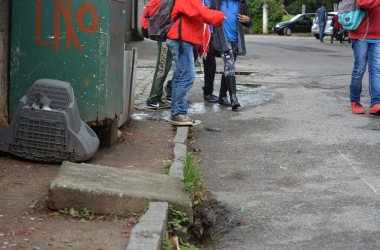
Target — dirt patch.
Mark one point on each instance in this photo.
(145, 147)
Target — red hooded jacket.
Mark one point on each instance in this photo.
(195, 16)
(372, 16)
(337, 25)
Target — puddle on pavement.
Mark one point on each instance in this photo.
(248, 94)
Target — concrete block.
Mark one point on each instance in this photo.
(176, 169)
(150, 230)
(180, 151)
(107, 190)
(181, 136)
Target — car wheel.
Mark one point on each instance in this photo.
(316, 36)
(287, 31)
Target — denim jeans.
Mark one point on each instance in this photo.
(363, 53)
(322, 26)
(184, 75)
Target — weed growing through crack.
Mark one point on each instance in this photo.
(176, 217)
(166, 245)
(191, 136)
(167, 166)
(85, 214)
(194, 185)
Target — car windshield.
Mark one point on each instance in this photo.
(296, 17)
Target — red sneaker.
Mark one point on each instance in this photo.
(375, 110)
(357, 108)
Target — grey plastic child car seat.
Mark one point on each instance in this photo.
(47, 126)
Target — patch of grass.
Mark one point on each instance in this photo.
(194, 185)
(6, 157)
(187, 246)
(116, 220)
(85, 214)
(191, 136)
(166, 245)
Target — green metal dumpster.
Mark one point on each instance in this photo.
(77, 41)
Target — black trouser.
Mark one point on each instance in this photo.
(209, 70)
(335, 32)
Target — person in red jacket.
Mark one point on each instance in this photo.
(189, 33)
(337, 27)
(365, 42)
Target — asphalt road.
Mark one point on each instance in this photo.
(293, 168)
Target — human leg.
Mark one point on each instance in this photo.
(333, 35)
(163, 65)
(360, 61)
(223, 99)
(322, 26)
(184, 76)
(229, 58)
(374, 76)
(209, 65)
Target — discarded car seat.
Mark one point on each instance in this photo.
(47, 126)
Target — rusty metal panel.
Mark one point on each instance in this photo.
(75, 41)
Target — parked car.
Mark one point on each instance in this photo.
(300, 23)
(328, 29)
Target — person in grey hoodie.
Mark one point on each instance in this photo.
(229, 41)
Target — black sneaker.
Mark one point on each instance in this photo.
(158, 105)
(167, 86)
(210, 98)
(169, 99)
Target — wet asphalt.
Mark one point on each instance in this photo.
(293, 168)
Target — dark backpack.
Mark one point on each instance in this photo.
(160, 23)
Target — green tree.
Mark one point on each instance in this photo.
(255, 11)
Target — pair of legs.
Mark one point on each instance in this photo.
(184, 76)
(322, 26)
(163, 65)
(228, 81)
(366, 53)
(336, 32)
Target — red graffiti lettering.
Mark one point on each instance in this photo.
(38, 26)
(70, 33)
(95, 18)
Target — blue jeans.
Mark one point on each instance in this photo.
(363, 53)
(184, 75)
(322, 26)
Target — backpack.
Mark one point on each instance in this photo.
(350, 15)
(160, 23)
(149, 10)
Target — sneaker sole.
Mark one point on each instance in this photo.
(153, 107)
(195, 123)
(375, 113)
(211, 101)
(181, 123)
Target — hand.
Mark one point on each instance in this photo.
(225, 18)
(204, 55)
(243, 18)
